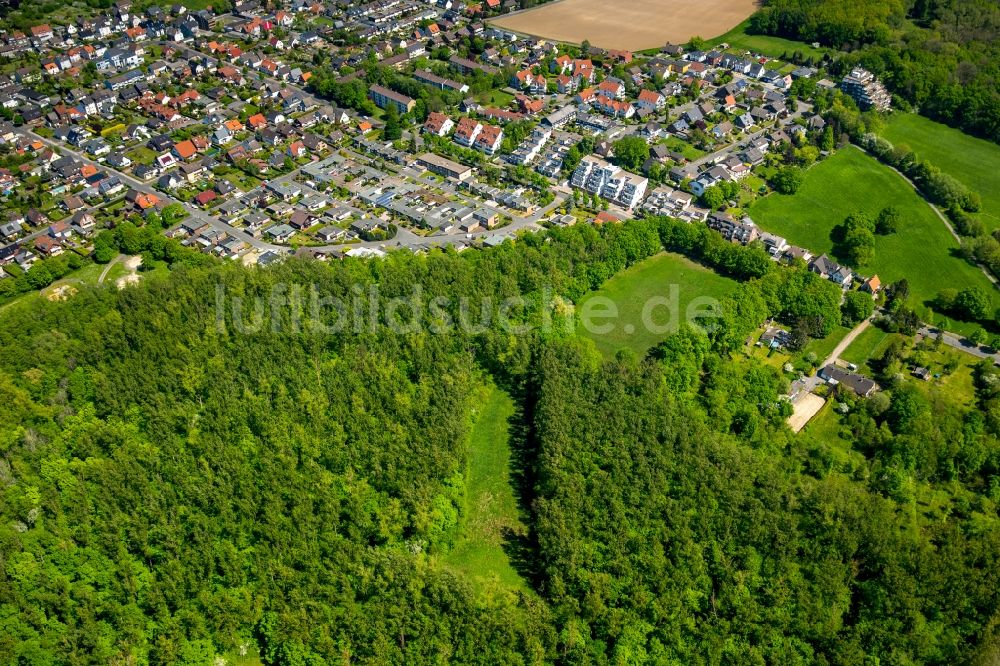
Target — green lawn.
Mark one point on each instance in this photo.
(870, 344)
(497, 98)
(823, 347)
(491, 514)
(953, 389)
(115, 273)
(974, 162)
(141, 155)
(775, 47)
(683, 147)
(86, 275)
(632, 290)
(849, 181)
(825, 428)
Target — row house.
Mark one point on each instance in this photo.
(667, 201)
(384, 97)
(501, 115)
(429, 78)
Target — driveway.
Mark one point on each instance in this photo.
(846, 342)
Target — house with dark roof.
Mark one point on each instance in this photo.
(859, 384)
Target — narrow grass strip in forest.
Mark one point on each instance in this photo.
(491, 519)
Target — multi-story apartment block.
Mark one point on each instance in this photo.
(383, 97)
(866, 90)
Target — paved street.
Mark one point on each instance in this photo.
(194, 212)
(960, 343)
(404, 237)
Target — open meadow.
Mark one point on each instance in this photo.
(635, 25)
(973, 162)
(850, 181)
(632, 289)
(491, 517)
(740, 40)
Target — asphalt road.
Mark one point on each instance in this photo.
(194, 212)
(404, 238)
(960, 343)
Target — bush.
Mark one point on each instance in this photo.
(888, 221)
(857, 307)
(857, 239)
(787, 180)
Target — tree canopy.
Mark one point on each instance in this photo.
(184, 479)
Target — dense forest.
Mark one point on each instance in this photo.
(941, 56)
(182, 480)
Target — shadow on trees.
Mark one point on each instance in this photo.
(522, 548)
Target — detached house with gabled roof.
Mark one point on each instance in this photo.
(438, 124)
(650, 99)
(489, 139)
(257, 121)
(185, 150)
(832, 271)
(48, 246)
(467, 131)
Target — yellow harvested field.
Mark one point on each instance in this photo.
(629, 24)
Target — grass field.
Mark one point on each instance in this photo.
(951, 390)
(141, 155)
(635, 25)
(774, 47)
(870, 344)
(849, 181)
(491, 511)
(631, 290)
(84, 276)
(825, 428)
(683, 147)
(497, 98)
(974, 162)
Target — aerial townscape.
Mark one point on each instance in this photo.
(500, 332)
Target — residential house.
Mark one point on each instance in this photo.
(489, 139)
(467, 131)
(831, 270)
(438, 124)
(384, 97)
(859, 384)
